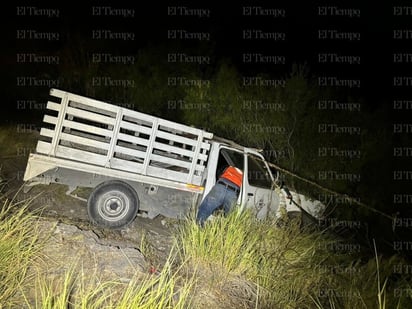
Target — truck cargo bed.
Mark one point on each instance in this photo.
(96, 133)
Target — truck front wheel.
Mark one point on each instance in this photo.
(113, 204)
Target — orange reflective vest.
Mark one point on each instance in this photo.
(234, 175)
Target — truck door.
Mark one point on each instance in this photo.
(257, 186)
(226, 157)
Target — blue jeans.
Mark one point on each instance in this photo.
(219, 195)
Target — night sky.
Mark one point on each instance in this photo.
(357, 42)
(360, 43)
(304, 30)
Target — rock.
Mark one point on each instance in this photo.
(70, 247)
(69, 252)
(90, 258)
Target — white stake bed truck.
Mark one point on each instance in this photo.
(137, 163)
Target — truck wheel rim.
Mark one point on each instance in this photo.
(113, 206)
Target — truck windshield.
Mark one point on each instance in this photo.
(257, 173)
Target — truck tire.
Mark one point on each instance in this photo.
(113, 204)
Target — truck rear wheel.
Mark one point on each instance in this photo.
(113, 204)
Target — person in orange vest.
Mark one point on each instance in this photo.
(225, 192)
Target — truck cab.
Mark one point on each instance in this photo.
(257, 191)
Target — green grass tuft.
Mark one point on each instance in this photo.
(18, 245)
